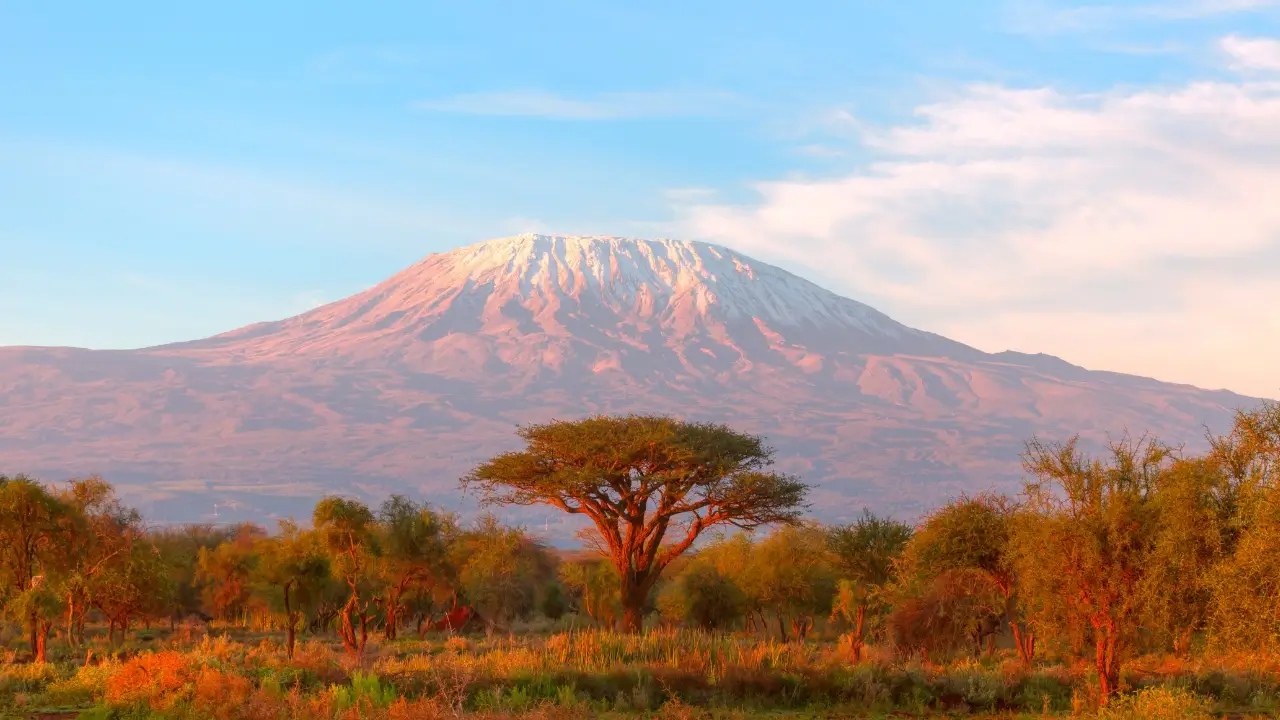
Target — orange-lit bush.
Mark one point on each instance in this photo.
(156, 679)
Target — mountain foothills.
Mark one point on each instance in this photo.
(408, 385)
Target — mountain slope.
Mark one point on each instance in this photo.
(408, 384)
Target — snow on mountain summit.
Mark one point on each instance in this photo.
(609, 293)
(648, 277)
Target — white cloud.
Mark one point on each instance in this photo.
(1039, 17)
(608, 106)
(1134, 230)
(1252, 53)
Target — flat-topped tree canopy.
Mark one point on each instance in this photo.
(638, 478)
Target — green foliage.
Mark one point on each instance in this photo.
(794, 575)
(1157, 703)
(866, 550)
(703, 597)
(970, 533)
(594, 584)
(1245, 582)
(554, 603)
(366, 691)
(866, 555)
(1087, 543)
(502, 569)
(1176, 590)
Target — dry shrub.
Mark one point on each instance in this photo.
(216, 689)
(457, 644)
(156, 679)
(1157, 703)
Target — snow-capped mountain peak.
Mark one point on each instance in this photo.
(606, 293)
(650, 277)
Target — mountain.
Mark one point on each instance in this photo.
(407, 385)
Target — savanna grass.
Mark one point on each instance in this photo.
(592, 673)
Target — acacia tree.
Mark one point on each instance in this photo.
(291, 569)
(865, 552)
(348, 532)
(99, 530)
(1245, 582)
(33, 525)
(794, 576)
(1189, 542)
(133, 584)
(972, 534)
(638, 479)
(226, 571)
(413, 554)
(1086, 544)
(500, 571)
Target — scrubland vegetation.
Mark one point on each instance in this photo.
(1141, 583)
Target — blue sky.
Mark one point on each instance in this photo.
(1013, 174)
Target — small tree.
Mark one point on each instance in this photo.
(973, 533)
(553, 604)
(701, 595)
(1189, 542)
(38, 605)
(34, 525)
(291, 570)
(413, 555)
(501, 569)
(637, 478)
(1245, 582)
(98, 530)
(865, 553)
(226, 571)
(795, 576)
(594, 584)
(131, 585)
(1086, 545)
(348, 533)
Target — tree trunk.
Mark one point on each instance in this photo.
(290, 634)
(1182, 643)
(1025, 640)
(35, 632)
(42, 637)
(291, 623)
(782, 626)
(364, 629)
(347, 630)
(633, 599)
(856, 637)
(71, 621)
(1106, 660)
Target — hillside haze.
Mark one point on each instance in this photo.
(404, 387)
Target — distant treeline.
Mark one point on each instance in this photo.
(1141, 549)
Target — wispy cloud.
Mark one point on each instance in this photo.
(1107, 228)
(607, 106)
(1040, 17)
(1251, 54)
